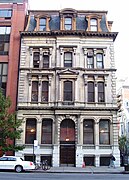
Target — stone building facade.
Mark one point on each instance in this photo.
(67, 88)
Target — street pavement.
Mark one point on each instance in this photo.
(87, 169)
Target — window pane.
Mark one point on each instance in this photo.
(68, 23)
(99, 58)
(93, 25)
(45, 61)
(42, 24)
(34, 97)
(30, 131)
(88, 132)
(67, 91)
(44, 91)
(67, 59)
(5, 30)
(5, 13)
(46, 131)
(90, 62)
(101, 92)
(104, 132)
(90, 91)
(36, 59)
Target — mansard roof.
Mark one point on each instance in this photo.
(80, 25)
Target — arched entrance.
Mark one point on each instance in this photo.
(67, 143)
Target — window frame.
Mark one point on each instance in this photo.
(91, 92)
(104, 134)
(7, 12)
(30, 131)
(43, 24)
(68, 24)
(99, 61)
(45, 92)
(46, 61)
(90, 59)
(36, 59)
(34, 92)
(3, 75)
(101, 92)
(93, 25)
(67, 93)
(87, 133)
(68, 61)
(46, 137)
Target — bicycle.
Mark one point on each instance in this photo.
(42, 165)
(45, 165)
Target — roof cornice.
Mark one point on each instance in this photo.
(112, 35)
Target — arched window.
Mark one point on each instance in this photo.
(68, 91)
(67, 131)
(99, 60)
(101, 95)
(88, 131)
(91, 92)
(30, 131)
(104, 132)
(46, 131)
(93, 24)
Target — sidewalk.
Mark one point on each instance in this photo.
(88, 169)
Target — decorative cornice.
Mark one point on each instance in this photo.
(67, 108)
(112, 35)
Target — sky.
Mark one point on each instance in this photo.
(118, 12)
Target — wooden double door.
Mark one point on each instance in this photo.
(67, 155)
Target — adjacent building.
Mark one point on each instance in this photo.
(67, 88)
(12, 21)
(123, 105)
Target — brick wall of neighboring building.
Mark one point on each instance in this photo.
(9, 59)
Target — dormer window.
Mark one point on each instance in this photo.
(68, 23)
(68, 19)
(93, 24)
(42, 24)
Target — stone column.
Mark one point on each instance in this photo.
(85, 89)
(30, 87)
(85, 58)
(96, 90)
(97, 160)
(39, 89)
(62, 57)
(41, 58)
(31, 57)
(95, 62)
(74, 57)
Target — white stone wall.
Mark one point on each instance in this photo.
(77, 74)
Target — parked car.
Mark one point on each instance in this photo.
(15, 163)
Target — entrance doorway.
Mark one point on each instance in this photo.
(67, 143)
